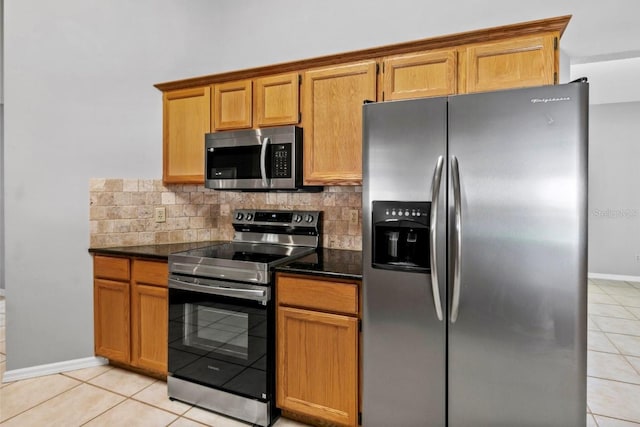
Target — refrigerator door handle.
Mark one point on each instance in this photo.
(435, 196)
(457, 207)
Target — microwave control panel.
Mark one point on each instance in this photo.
(281, 160)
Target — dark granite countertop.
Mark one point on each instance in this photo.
(331, 263)
(157, 251)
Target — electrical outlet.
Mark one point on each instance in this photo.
(161, 214)
(353, 217)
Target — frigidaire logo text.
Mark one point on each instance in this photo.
(545, 100)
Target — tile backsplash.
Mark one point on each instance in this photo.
(122, 212)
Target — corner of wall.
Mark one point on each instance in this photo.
(611, 81)
(565, 67)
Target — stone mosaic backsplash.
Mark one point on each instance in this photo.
(122, 212)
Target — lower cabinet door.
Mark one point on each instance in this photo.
(149, 328)
(317, 365)
(111, 319)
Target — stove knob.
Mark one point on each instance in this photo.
(297, 218)
(309, 218)
(249, 216)
(239, 216)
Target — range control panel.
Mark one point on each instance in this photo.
(291, 219)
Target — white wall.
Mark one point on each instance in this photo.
(79, 103)
(2, 147)
(614, 199)
(2, 286)
(1, 52)
(565, 68)
(611, 81)
(614, 153)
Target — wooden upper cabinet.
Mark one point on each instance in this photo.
(332, 121)
(186, 119)
(232, 105)
(517, 62)
(419, 75)
(334, 87)
(277, 100)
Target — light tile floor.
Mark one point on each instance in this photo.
(613, 368)
(108, 396)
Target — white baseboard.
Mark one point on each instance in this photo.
(614, 277)
(52, 368)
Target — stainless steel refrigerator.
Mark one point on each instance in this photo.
(475, 259)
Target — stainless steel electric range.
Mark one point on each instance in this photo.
(222, 314)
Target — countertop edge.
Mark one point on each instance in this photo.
(318, 273)
(122, 252)
(160, 251)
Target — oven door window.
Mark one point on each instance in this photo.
(218, 342)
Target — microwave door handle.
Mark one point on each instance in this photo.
(263, 161)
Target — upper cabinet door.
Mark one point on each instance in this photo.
(232, 105)
(518, 62)
(186, 119)
(277, 100)
(420, 75)
(332, 121)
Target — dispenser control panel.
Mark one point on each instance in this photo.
(391, 210)
(403, 212)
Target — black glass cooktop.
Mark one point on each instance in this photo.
(252, 252)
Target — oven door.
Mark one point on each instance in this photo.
(221, 335)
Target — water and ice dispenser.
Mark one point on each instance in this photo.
(401, 235)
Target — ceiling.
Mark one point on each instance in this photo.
(597, 31)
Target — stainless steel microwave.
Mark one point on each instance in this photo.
(254, 159)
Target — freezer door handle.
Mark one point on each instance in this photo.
(435, 196)
(457, 207)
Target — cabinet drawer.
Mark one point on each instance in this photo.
(111, 267)
(150, 272)
(318, 294)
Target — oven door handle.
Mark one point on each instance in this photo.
(251, 294)
(263, 161)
